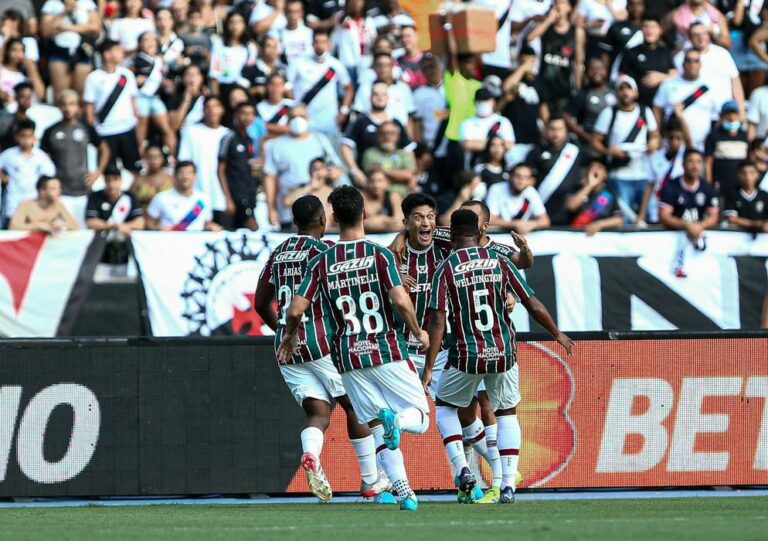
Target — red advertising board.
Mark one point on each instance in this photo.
(619, 413)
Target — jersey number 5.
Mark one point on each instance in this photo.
(484, 321)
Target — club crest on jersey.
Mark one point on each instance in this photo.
(290, 257)
(422, 269)
(352, 265)
(477, 264)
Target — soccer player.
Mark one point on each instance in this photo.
(310, 373)
(358, 281)
(471, 285)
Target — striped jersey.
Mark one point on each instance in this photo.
(285, 269)
(354, 279)
(421, 266)
(442, 236)
(472, 286)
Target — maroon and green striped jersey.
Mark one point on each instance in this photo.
(442, 237)
(354, 279)
(472, 286)
(285, 269)
(421, 266)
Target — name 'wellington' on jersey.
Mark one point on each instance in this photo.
(355, 277)
(472, 286)
(285, 269)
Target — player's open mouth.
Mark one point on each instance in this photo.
(425, 235)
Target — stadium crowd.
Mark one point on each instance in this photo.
(589, 114)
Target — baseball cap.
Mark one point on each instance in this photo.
(730, 107)
(626, 80)
(492, 83)
(483, 94)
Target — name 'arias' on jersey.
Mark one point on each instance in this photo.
(354, 278)
(285, 269)
(472, 285)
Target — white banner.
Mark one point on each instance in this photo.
(203, 283)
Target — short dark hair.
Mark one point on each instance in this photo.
(274, 75)
(523, 164)
(244, 104)
(380, 54)
(690, 152)
(554, 117)
(185, 163)
(24, 85)
(213, 97)
(650, 17)
(347, 205)
(107, 44)
(321, 32)
(417, 199)
(747, 163)
(43, 181)
(314, 161)
(486, 212)
(24, 125)
(464, 223)
(307, 211)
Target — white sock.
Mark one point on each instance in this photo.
(393, 464)
(453, 440)
(312, 440)
(413, 420)
(493, 453)
(365, 449)
(509, 448)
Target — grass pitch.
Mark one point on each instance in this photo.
(675, 518)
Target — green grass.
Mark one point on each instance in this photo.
(623, 520)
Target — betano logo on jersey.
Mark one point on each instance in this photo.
(477, 264)
(291, 257)
(352, 265)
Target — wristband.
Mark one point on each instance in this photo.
(447, 27)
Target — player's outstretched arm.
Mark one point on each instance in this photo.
(541, 315)
(293, 315)
(262, 303)
(436, 332)
(398, 245)
(524, 258)
(402, 303)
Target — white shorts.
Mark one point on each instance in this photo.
(316, 379)
(459, 388)
(419, 361)
(393, 385)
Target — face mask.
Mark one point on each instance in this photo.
(298, 125)
(388, 147)
(484, 108)
(733, 125)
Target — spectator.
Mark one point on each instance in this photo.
(650, 63)
(475, 131)
(353, 37)
(390, 19)
(230, 55)
(757, 114)
(397, 164)
(148, 67)
(170, 44)
(747, 207)
(267, 15)
(516, 205)
(267, 64)
(625, 134)
(665, 164)
(557, 164)
(320, 185)
(286, 163)
(181, 208)
(154, 179)
(21, 167)
(66, 142)
(499, 62)
(296, 37)
(689, 204)
(362, 134)
(410, 60)
(400, 104)
(115, 214)
(595, 206)
(747, 18)
(525, 102)
(316, 80)
(186, 106)
(465, 186)
(45, 212)
(185, 18)
(131, 24)
(689, 97)
(321, 14)
(429, 100)
(382, 206)
(700, 12)
(596, 17)
(71, 28)
(726, 148)
(623, 35)
(717, 68)
(236, 157)
(198, 142)
(15, 69)
(274, 109)
(758, 154)
(492, 166)
(110, 106)
(9, 121)
(562, 53)
(19, 21)
(583, 109)
(196, 39)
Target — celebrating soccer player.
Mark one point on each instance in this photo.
(472, 285)
(310, 373)
(358, 281)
